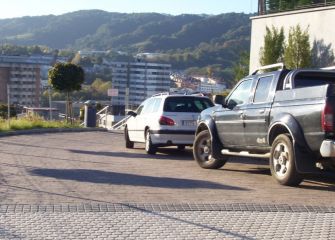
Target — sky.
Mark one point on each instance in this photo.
(20, 8)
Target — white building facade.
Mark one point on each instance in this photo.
(318, 21)
(137, 81)
(25, 76)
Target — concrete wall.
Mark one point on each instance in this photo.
(319, 20)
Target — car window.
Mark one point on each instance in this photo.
(262, 89)
(156, 104)
(241, 94)
(148, 106)
(186, 104)
(312, 80)
(139, 110)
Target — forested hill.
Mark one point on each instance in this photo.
(191, 40)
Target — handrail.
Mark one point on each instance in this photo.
(120, 123)
(104, 109)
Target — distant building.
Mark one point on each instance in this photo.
(24, 76)
(141, 78)
(210, 86)
(316, 17)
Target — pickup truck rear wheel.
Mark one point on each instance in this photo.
(282, 161)
(202, 152)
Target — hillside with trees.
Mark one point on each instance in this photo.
(186, 41)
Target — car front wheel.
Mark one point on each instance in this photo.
(282, 161)
(149, 147)
(202, 152)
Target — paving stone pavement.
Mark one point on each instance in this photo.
(72, 185)
(143, 223)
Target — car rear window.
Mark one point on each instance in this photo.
(186, 104)
(313, 79)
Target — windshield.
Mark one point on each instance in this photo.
(187, 104)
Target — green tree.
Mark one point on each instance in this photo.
(241, 68)
(322, 54)
(66, 77)
(298, 49)
(273, 49)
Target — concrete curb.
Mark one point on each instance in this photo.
(50, 130)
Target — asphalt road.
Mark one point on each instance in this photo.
(96, 167)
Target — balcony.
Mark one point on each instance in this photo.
(278, 6)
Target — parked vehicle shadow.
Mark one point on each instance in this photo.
(104, 177)
(262, 171)
(322, 181)
(163, 154)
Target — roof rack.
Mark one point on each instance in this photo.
(281, 66)
(328, 68)
(179, 93)
(160, 94)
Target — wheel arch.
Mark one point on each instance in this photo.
(209, 124)
(286, 123)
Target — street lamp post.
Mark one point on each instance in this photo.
(50, 110)
(8, 105)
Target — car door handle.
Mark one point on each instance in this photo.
(261, 111)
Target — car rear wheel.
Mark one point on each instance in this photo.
(282, 161)
(129, 144)
(202, 152)
(149, 147)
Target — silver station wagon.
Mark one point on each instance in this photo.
(165, 120)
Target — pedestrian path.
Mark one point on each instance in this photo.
(166, 221)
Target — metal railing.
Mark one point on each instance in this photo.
(263, 7)
(104, 115)
(120, 124)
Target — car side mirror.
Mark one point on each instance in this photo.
(132, 113)
(219, 99)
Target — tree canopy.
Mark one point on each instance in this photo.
(66, 77)
(298, 49)
(274, 41)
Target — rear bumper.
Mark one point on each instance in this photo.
(172, 137)
(327, 148)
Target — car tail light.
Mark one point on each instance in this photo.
(166, 121)
(327, 118)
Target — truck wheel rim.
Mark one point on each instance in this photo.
(281, 160)
(205, 150)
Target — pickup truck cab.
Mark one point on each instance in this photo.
(286, 116)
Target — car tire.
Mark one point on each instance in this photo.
(149, 147)
(181, 147)
(129, 144)
(202, 149)
(282, 161)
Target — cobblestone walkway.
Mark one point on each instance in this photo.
(166, 221)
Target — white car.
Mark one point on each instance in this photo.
(165, 120)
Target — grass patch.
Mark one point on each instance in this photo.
(33, 123)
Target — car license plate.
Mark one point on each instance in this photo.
(189, 123)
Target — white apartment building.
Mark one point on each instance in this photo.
(142, 80)
(24, 82)
(25, 76)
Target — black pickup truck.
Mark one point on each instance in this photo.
(286, 116)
